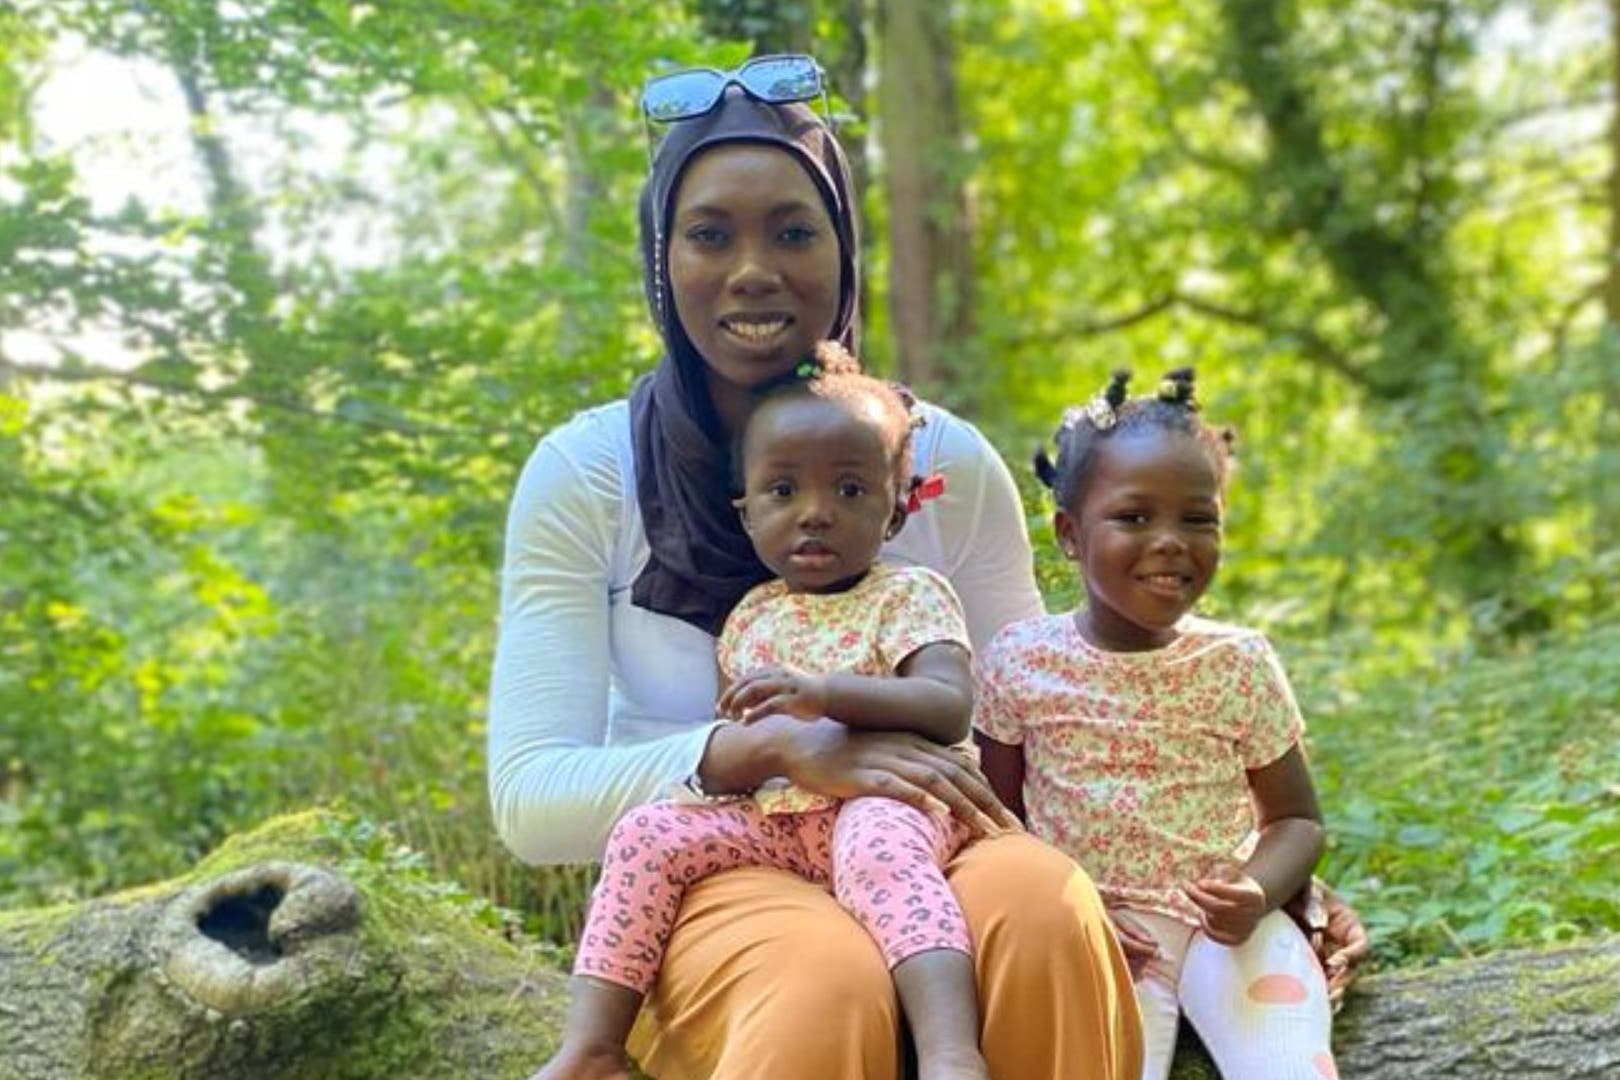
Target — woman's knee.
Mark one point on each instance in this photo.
(824, 1007)
(1025, 896)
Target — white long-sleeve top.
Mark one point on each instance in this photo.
(597, 705)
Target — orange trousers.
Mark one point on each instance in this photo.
(766, 976)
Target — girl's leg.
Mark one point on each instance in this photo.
(886, 870)
(1156, 991)
(653, 854)
(1054, 990)
(1261, 1008)
(765, 975)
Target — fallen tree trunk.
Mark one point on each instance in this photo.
(313, 949)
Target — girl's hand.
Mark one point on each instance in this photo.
(1231, 903)
(1140, 947)
(828, 758)
(775, 690)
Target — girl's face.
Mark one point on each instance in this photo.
(1146, 536)
(819, 490)
(753, 264)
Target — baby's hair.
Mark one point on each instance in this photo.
(833, 374)
(1173, 408)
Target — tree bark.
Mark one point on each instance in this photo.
(930, 219)
(313, 949)
(1606, 458)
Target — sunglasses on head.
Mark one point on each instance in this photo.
(775, 80)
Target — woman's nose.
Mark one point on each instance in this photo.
(754, 271)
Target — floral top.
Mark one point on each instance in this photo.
(867, 630)
(1134, 763)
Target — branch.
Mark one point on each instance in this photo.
(87, 374)
(1213, 162)
(1312, 344)
(1571, 310)
(1430, 80)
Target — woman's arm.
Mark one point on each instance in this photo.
(982, 529)
(931, 695)
(555, 788)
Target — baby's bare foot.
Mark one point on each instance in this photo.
(589, 1064)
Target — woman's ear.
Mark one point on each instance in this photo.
(1068, 535)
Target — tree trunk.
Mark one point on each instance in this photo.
(930, 220)
(1606, 457)
(314, 949)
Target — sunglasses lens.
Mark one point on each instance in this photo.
(682, 94)
(780, 79)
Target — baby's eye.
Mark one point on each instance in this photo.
(780, 489)
(1131, 517)
(851, 489)
(1204, 521)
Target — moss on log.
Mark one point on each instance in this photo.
(314, 949)
(309, 949)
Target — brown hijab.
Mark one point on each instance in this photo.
(702, 562)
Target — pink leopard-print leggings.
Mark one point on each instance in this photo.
(879, 857)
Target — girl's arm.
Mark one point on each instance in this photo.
(931, 695)
(1290, 843)
(1003, 766)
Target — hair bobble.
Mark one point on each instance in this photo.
(1177, 388)
(924, 488)
(807, 370)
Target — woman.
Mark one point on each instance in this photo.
(623, 557)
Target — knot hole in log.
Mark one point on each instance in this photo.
(254, 938)
(242, 923)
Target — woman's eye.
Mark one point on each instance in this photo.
(798, 235)
(706, 235)
(780, 490)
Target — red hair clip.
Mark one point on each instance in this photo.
(924, 488)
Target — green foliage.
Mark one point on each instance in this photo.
(1471, 801)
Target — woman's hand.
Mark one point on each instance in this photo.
(828, 758)
(1344, 945)
(774, 690)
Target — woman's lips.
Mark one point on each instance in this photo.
(756, 329)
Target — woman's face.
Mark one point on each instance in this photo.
(753, 263)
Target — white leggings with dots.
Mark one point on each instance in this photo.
(1261, 1008)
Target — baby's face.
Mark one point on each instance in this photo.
(819, 492)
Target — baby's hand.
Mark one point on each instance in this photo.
(1231, 903)
(775, 691)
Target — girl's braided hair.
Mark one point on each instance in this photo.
(833, 374)
(1173, 407)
